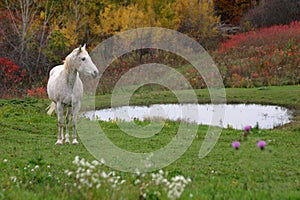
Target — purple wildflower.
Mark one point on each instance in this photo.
(236, 144)
(247, 128)
(261, 144)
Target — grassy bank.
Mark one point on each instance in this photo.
(32, 167)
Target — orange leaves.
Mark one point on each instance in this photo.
(39, 92)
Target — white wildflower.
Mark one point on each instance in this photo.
(5, 160)
(102, 161)
(137, 181)
(88, 172)
(13, 178)
(35, 168)
(95, 180)
(112, 173)
(137, 171)
(76, 160)
(88, 164)
(104, 175)
(82, 162)
(79, 170)
(95, 163)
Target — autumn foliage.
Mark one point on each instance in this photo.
(272, 12)
(36, 35)
(232, 10)
(12, 79)
(267, 56)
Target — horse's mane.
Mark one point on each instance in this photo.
(67, 61)
(67, 64)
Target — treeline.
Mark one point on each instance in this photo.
(37, 34)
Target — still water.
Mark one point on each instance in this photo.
(236, 116)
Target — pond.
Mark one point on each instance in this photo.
(236, 116)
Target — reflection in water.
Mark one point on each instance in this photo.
(236, 115)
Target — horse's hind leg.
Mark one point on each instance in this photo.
(60, 116)
(69, 111)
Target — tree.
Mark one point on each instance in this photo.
(121, 17)
(273, 12)
(19, 27)
(198, 20)
(232, 10)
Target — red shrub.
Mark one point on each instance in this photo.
(267, 56)
(37, 92)
(272, 36)
(12, 77)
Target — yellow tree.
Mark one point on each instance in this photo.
(115, 19)
(197, 19)
(121, 17)
(161, 12)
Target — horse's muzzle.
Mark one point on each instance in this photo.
(95, 73)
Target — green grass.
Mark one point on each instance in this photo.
(27, 137)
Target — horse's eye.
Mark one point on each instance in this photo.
(83, 59)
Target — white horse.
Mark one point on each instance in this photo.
(65, 89)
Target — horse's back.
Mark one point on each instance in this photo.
(56, 70)
(54, 79)
(57, 88)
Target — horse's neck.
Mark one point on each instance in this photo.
(71, 76)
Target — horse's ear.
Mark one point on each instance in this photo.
(79, 50)
(84, 46)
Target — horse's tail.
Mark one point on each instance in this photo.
(51, 108)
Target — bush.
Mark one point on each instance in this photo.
(12, 79)
(267, 56)
(273, 12)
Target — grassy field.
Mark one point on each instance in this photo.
(32, 167)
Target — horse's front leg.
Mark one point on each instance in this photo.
(60, 116)
(76, 108)
(68, 115)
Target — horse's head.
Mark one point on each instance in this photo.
(83, 62)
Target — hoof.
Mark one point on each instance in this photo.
(75, 142)
(59, 142)
(67, 142)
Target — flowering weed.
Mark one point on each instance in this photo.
(91, 178)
